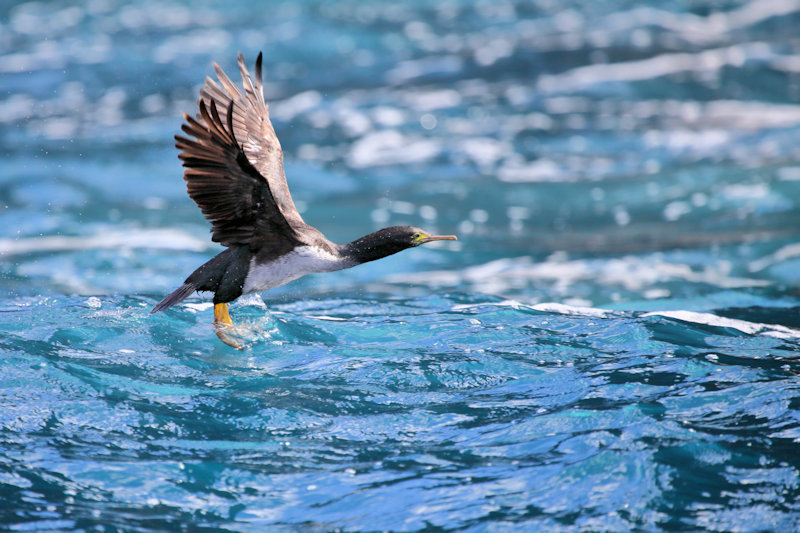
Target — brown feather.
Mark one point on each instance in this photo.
(234, 165)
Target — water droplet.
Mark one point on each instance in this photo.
(427, 121)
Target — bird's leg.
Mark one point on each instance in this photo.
(222, 323)
(221, 315)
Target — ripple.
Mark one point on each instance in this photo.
(490, 396)
(611, 345)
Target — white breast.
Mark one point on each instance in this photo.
(297, 263)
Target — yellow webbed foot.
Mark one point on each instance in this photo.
(221, 315)
(223, 324)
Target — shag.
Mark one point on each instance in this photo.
(234, 173)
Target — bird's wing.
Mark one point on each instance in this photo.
(234, 165)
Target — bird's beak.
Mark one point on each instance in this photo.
(429, 238)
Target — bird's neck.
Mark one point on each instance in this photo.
(368, 248)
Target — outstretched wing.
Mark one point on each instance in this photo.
(234, 166)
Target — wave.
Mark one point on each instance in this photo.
(161, 239)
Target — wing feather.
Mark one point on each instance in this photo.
(234, 165)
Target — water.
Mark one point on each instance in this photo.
(611, 345)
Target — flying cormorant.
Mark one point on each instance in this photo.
(234, 172)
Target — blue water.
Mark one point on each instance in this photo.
(613, 344)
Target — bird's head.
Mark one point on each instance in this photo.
(391, 240)
(419, 236)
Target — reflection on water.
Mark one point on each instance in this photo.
(610, 345)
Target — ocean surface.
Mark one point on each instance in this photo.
(612, 344)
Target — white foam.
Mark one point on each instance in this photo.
(433, 100)
(789, 173)
(199, 40)
(163, 239)
(740, 191)
(750, 115)
(415, 68)
(789, 251)
(485, 151)
(759, 11)
(390, 147)
(541, 170)
(573, 310)
(630, 272)
(329, 318)
(296, 105)
(545, 307)
(505, 303)
(199, 307)
(253, 299)
(709, 319)
(653, 67)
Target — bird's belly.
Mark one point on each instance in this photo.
(297, 263)
(268, 276)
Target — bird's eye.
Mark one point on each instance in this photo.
(416, 236)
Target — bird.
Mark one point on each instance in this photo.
(234, 173)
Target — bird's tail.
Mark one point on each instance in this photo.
(176, 296)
